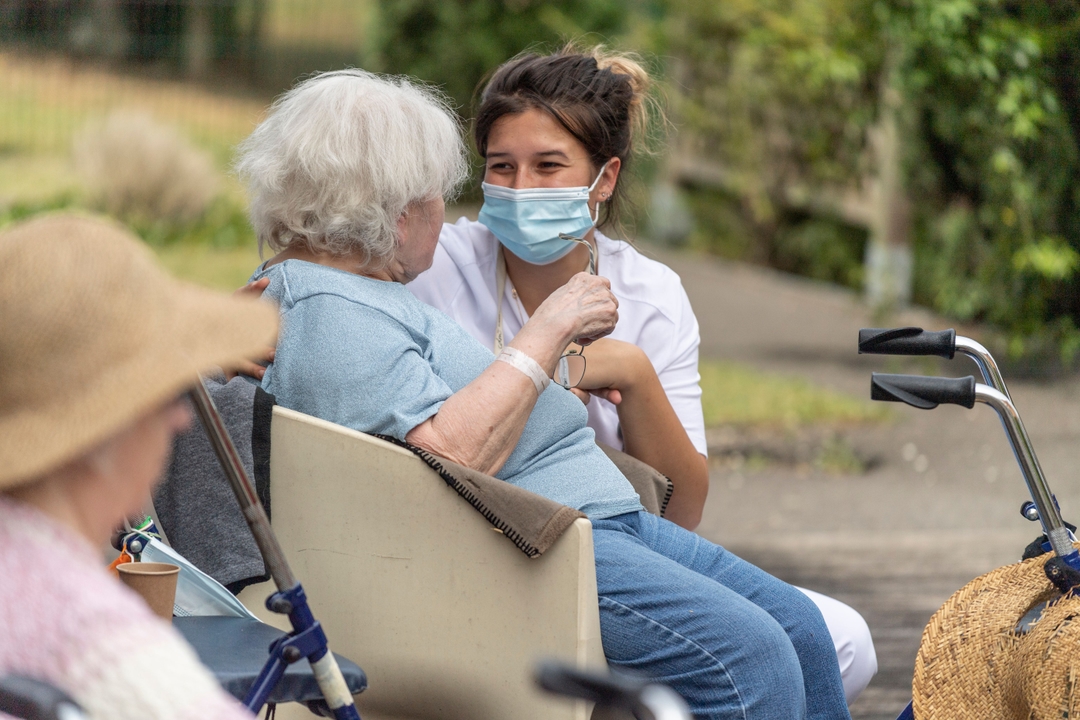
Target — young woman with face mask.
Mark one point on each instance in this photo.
(555, 132)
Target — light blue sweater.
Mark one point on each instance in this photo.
(366, 354)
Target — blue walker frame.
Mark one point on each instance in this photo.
(307, 639)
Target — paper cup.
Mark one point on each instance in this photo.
(155, 582)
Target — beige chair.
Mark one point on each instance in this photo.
(444, 614)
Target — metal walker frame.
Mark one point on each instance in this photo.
(928, 392)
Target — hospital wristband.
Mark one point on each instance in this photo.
(524, 363)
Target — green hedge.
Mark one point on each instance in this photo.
(785, 93)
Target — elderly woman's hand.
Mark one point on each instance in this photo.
(464, 430)
(584, 309)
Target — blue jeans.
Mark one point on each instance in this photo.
(733, 640)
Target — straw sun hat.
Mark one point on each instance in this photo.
(974, 664)
(967, 665)
(94, 334)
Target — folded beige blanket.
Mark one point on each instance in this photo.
(533, 523)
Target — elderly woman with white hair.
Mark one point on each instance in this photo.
(98, 344)
(347, 178)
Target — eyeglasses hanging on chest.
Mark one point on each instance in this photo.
(570, 370)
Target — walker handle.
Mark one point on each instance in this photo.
(637, 696)
(32, 699)
(607, 688)
(923, 392)
(907, 341)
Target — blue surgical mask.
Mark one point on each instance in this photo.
(528, 222)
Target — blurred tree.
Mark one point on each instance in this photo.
(996, 123)
(777, 101)
(187, 33)
(156, 28)
(779, 92)
(455, 43)
(842, 110)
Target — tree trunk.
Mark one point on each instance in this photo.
(103, 32)
(253, 39)
(199, 41)
(888, 262)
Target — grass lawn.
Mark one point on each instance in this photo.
(218, 268)
(44, 102)
(736, 394)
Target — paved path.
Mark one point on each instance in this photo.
(897, 541)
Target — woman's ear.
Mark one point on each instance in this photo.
(608, 178)
(402, 224)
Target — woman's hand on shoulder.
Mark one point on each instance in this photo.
(583, 310)
(253, 368)
(253, 290)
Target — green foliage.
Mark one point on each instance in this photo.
(821, 248)
(224, 226)
(218, 250)
(455, 43)
(994, 148)
(1049, 258)
(786, 96)
(778, 94)
(776, 90)
(17, 212)
(156, 30)
(721, 225)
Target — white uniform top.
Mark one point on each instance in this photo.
(654, 314)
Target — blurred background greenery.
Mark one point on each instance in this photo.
(916, 150)
(804, 131)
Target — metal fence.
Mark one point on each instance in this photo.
(207, 66)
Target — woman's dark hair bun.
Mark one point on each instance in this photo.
(630, 66)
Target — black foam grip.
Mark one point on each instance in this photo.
(923, 392)
(907, 341)
(31, 699)
(611, 690)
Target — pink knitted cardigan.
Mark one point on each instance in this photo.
(64, 619)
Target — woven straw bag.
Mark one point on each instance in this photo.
(1049, 662)
(972, 664)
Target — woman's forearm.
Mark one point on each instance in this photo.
(653, 433)
(480, 425)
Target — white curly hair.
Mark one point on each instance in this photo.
(342, 156)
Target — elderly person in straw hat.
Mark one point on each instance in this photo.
(347, 178)
(97, 344)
